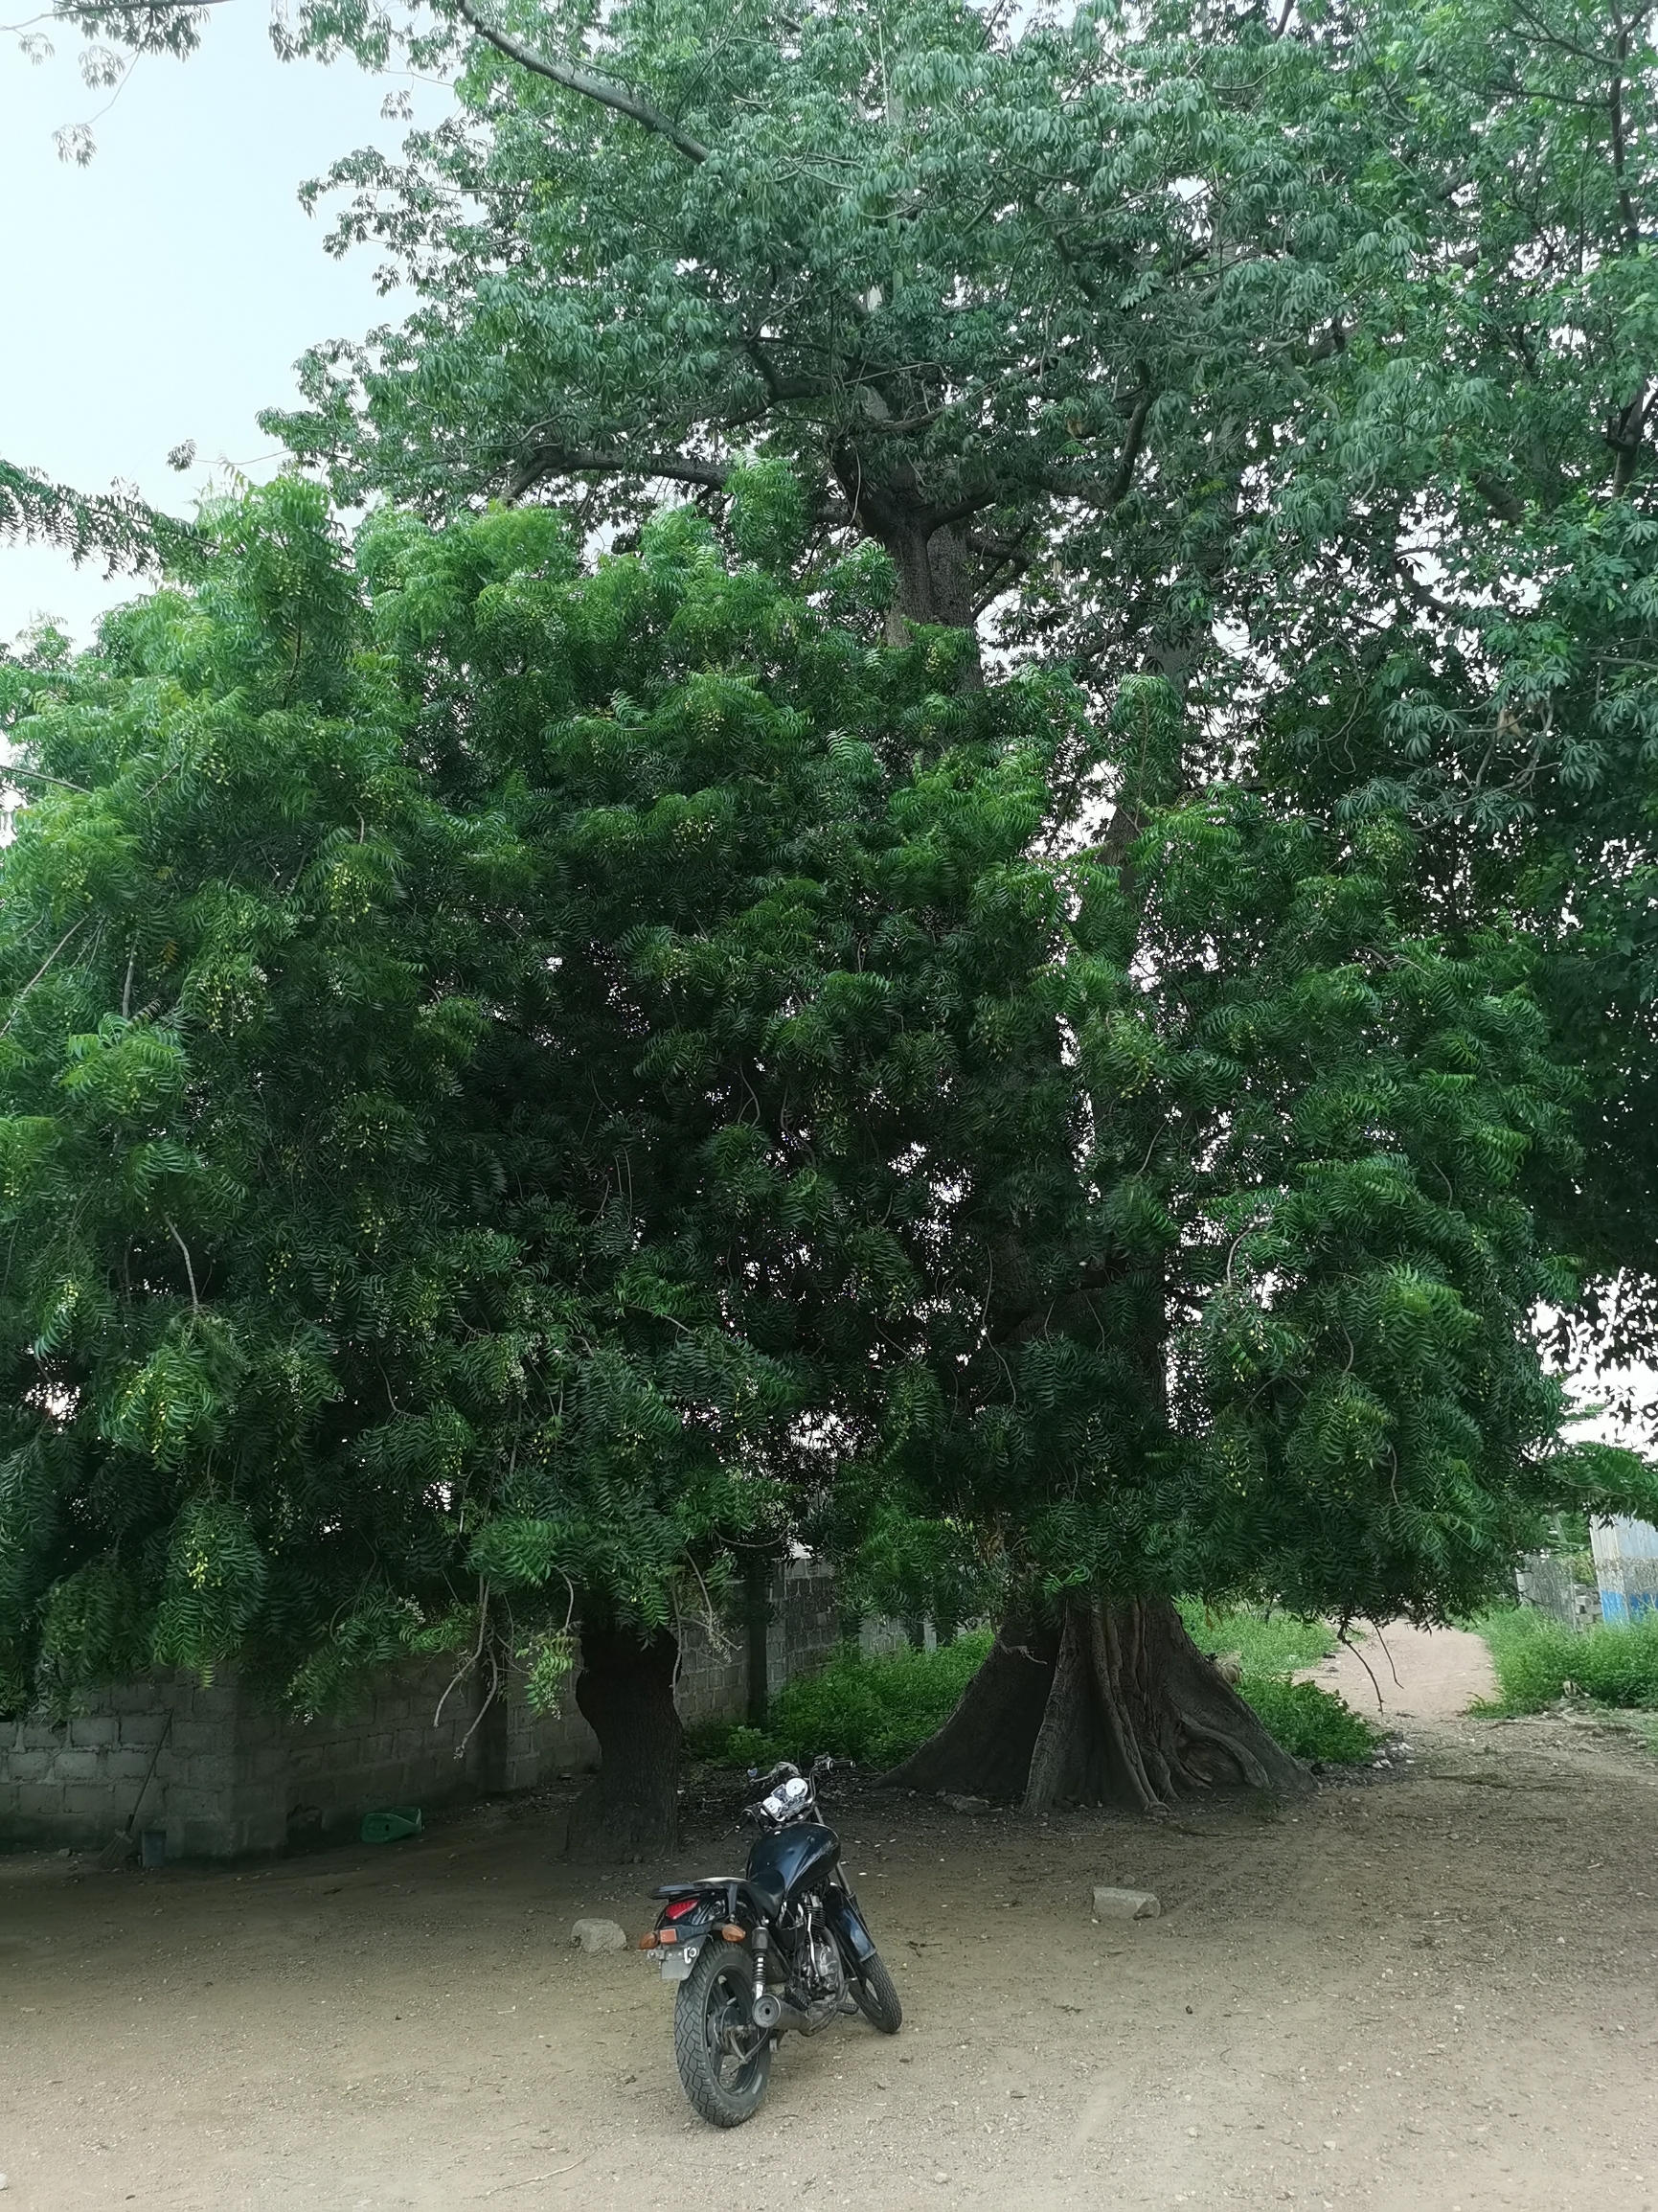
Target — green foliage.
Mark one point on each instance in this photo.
(1299, 357)
(513, 1078)
(1272, 1645)
(876, 1710)
(1310, 1722)
(1267, 1642)
(121, 529)
(1538, 1660)
(872, 1710)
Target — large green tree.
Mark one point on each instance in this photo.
(1285, 376)
(519, 1080)
(1303, 356)
(459, 1017)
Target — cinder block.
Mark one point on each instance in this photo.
(75, 1767)
(202, 1838)
(1126, 1905)
(95, 1731)
(141, 1730)
(28, 1765)
(92, 1801)
(213, 1769)
(123, 1769)
(40, 1800)
(196, 1736)
(184, 1804)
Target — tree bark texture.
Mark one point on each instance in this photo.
(1116, 1706)
(985, 1745)
(625, 1691)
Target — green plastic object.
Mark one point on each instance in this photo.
(391, 1826)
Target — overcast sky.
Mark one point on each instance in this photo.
(164, 292)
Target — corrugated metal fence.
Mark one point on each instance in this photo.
(1625, 1554)
(1626, 1568)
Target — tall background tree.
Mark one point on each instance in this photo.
(1249, 369)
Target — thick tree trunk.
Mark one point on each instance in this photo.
(1117, 1707)
(625, 1692)
(984, 1747)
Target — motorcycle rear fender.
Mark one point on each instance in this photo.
(846, 1924)
(715, 1900)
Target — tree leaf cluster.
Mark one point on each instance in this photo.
(520, 1078)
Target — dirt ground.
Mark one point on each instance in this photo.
(1432, 1990)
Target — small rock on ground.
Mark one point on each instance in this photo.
(599, 1936)
(1126, 1905)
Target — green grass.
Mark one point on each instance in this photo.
(1275, 1643)
(877, 1710)
(870, 1710)
(1310, 1722)
(1537, 1658)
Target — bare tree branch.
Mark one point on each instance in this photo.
(1110, 493)
(591, 86)
(544, 460)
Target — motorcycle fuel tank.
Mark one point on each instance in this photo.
(790, 1860)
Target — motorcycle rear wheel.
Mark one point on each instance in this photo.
(724, 2061)
(878, 1999)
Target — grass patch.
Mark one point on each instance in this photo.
(1275, 1643)
(1310, 1722)
(1537, 1658)
(870, 1710)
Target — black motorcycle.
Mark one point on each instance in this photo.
(781, 1946)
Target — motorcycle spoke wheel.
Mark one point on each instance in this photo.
(724, 2060)
(878, 1999)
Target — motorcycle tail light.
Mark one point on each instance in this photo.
(679, 1909)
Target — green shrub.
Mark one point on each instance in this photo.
(1535, 1657)
(870, 1710)
(1310, 1722)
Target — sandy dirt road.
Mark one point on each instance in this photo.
(1435, 1991)
(1399, 1676)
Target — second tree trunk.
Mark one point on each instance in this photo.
(1114, 1707)
(625, 1692)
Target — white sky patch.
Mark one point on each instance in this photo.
(160, 295)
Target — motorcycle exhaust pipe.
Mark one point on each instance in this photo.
(768, 2012)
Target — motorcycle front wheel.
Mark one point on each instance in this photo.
(877, 2000)
(724, 2060)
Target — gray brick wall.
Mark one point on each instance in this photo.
(234, 1776)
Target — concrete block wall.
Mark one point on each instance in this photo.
(75, 1783)
(235, 1776)
(807, 1628)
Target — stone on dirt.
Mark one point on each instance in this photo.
(960, 1804)
(599, 1936)
(1126, 1905)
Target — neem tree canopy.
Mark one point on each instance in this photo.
(524, 1076)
